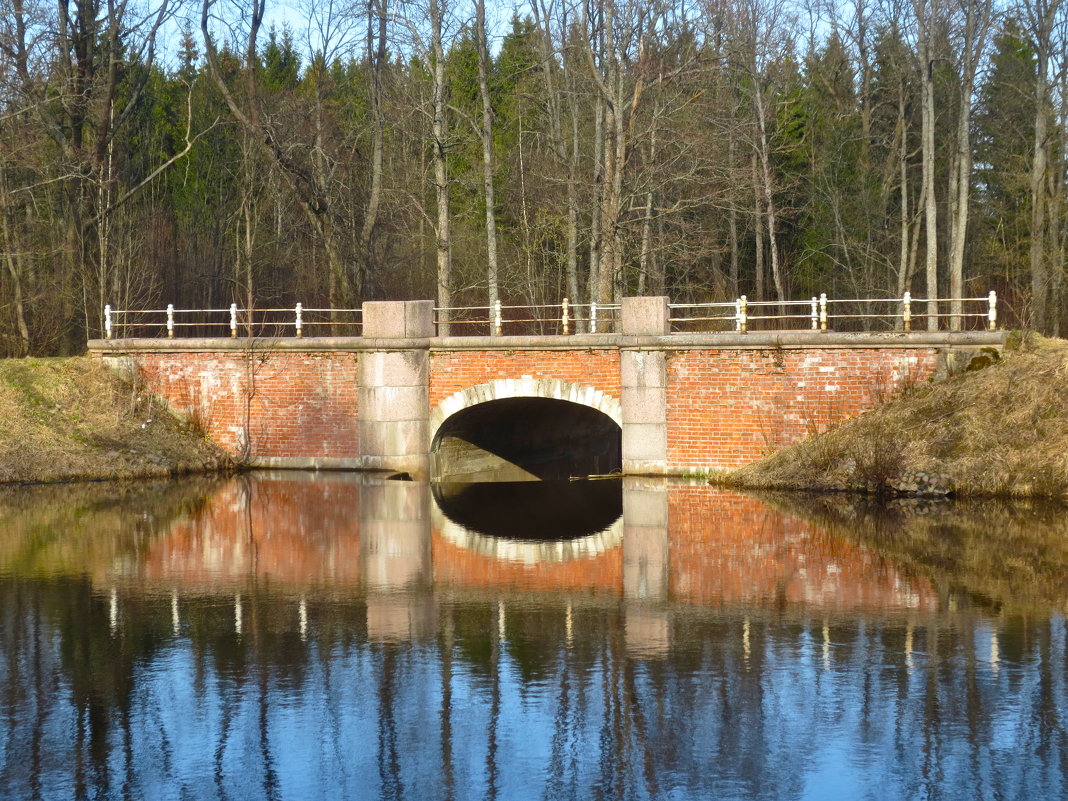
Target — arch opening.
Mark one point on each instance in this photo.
(525, 439)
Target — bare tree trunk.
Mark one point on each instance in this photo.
(13, 257)
(441, 178)
(977, 22)
(594, 281)
(732, 219)
(904, 273)
(567, 158)
(768, 184)
(924, 20)
(1040, 15)
(1056, 215)
(487, 152)
(610, 196)
(376, 56)
(758, 232)
(647, 277)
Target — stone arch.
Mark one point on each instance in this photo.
(526, 387)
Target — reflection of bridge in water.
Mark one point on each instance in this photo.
(674, 545)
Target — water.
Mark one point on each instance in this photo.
(289, 636)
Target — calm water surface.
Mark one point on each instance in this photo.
(290, 636)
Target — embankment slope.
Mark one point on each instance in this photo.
(1001, 431)
(70, 419)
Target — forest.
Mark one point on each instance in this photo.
(209, 152)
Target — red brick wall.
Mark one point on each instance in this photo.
(452, 371)
(730, 407)
(282, 404)
(725, 407)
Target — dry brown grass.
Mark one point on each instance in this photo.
(1002, 431)
(66, 419)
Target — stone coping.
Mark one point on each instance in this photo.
(754, 340)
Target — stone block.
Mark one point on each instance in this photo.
(403, 368)
(418, 318)
(393, 438)
(643, 368)
(394, 403)
(644, 445)
(644, 405)
(645, 316)
(384, 319)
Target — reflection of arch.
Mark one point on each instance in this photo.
(527, 552)
(501, 388)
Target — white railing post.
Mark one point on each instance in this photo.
(815, 313)
(170, 321)
(906, 311)
(299, 321)
(233, 320)
(823, 311)
(563, 317)
(741, 314)
(107, 321)
(593, 317)
(497, 321)
(992, 310)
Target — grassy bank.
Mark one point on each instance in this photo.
(68, 419)
(1001, 431)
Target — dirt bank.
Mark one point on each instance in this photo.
(68, 419)
(1001, 430)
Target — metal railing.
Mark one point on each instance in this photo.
(277, 322)
(544, 318)
(742, 315)
(821, 313)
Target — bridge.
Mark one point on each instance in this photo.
(641, 400)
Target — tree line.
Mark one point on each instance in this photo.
(201, 155)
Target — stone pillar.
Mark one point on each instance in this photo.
(394, 386)
(645, 566)
(643, 372)
(395, 559)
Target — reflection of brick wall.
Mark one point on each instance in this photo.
(295, 532)
(731, 547)
(731, 407)
(457, 566)
(453, 371)
(281, 404)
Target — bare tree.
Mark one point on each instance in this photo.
(971, 49)
(1040, 17)
(924, 20)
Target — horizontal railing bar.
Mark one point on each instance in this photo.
(699, 319)
(568, 318)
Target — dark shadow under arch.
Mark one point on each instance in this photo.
(526, 439)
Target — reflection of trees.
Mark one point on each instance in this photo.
(991, 554)
(424, 719)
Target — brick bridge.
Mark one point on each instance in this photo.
(643, 400)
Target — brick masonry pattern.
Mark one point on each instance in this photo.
(263, 405)
(725, 407)
(454, 371)
(730, 407)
